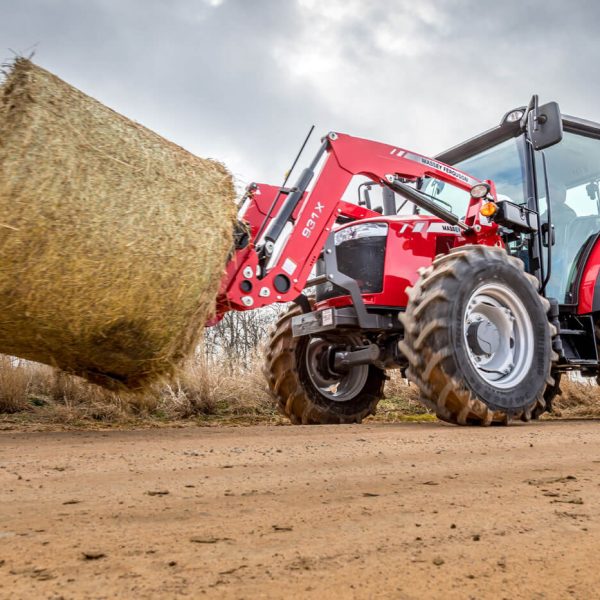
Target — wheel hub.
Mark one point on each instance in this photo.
(340, 387)
(498, 335)
(483, 337)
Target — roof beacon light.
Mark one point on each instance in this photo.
(489, 209)
(481, 190)
(515, 115)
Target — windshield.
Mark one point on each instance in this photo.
(573, 168)
(503, 164)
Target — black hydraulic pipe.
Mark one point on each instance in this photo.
(287, 176)
(282, 188)
(285, 213)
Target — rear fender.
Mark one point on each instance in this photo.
(589, 284)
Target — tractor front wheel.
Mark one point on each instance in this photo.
(478, 339)
(306, 390)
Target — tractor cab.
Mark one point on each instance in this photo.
(553, 173)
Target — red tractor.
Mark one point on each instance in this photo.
(477, 276)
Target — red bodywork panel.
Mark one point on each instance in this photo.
(412, 240)
(588, 281)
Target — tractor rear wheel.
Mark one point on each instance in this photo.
(478, 338)
(305, 390)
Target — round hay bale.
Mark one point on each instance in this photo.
(113, 240)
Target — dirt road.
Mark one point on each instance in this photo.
(390, 511)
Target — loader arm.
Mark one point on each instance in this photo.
(286, 229)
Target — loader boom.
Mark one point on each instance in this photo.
(286, 229)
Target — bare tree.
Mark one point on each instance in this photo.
(237, 336)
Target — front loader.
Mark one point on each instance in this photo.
(448, 280)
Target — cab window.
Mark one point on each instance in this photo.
(503, 164)
(573, 173)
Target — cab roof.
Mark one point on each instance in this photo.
(505, 131)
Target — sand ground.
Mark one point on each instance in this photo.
(407, 510)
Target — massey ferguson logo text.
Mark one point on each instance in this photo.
(440, 167)
(312, 220)
(444, 168)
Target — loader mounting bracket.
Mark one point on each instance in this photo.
(330, 319)
(341, 280)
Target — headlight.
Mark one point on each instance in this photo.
(481, 190)
(363, 230)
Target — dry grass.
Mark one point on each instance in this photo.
(223, 391)
(205, 393)
(113, 240)
(580, 398)
(15, 385)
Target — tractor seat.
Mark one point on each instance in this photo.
(576, 235)
(578, 232)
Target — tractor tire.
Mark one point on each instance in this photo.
(552, 391)
(292, 387)
(477, 338)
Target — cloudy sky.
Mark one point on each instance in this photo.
(242, 80)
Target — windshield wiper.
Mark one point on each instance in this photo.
(436, 199)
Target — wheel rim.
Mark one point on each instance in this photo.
(340, 388)
(498, 335)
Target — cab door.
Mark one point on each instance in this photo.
(570, 185)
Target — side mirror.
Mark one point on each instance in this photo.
(544, 125)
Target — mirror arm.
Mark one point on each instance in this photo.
(532, 106)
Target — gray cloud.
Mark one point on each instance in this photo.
(241, 80)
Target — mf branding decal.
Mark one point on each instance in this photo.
(311, 222)
(397, 152)
(439, 167)
(443, 228)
